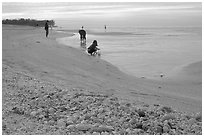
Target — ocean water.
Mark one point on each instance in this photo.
(143, 51)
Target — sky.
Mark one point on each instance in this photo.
(119, 13)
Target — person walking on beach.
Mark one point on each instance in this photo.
(82, 34)
(93, 48)
(47, 28)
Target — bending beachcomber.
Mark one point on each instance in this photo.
(82, 34)
(92, 49)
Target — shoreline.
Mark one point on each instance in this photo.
(176, 73)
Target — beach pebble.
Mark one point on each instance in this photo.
(102, 129)
(40, 110)
(132, 121)
(168, 117)
(95, 133)
(33, 113)
(128, 131)
(51, 110)
(71, 127)
(145, 127)
(139, 125)
(51, 122)
(69, 122)
(166, 109)
(191, 121)
(41, 116)
(166, 129)
(198, 117)
(159, 129)
(100, 110)
(104, 133)
(61, 123)
(83, 127)
(137, 131)
(141, 113)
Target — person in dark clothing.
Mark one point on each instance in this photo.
(93, 48)
(47, 28)
(82, 34)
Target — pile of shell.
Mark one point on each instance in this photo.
(62, 111)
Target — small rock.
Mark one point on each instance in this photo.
(51, 122)
(191, 121)
(139, 125)
(40, 110)
(87, 116)
(128, 131)
(168, 117)
(83, 122)
(198, 117)
(100, 110)
(165, 129)
(69, 122)
(41, 116)
(145, 127)
(156, 105)
(45, 122)
(51, 110)
(166, 109)
(104, 133)
(61, 123)
(102, 129)
(71, 127)
(83, 127)
(161, 75)
(137, 131)
(33, 113)
(146, 105)
(95, 133)
(159, 129)
(132, 121)
(141, 113)
(115, 133)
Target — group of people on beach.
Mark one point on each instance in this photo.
(92, 49)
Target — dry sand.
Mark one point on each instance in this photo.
(27, 50)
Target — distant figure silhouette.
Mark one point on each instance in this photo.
(82, 34)
(47, 28)
(93, 48)
(105, 27)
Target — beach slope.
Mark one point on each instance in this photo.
(42, 61)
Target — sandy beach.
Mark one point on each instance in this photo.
(27, 53)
